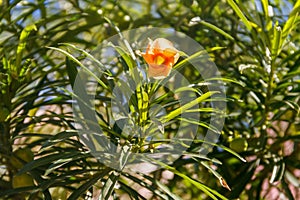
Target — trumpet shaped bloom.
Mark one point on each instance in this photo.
(160, 55)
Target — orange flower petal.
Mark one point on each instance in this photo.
(160, 55)
(159, 71)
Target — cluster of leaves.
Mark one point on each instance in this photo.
(260, 61)
(262, 53)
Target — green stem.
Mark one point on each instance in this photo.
(266, 123)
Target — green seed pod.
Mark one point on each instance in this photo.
(239, 145)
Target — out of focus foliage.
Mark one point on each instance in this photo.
(258, 55)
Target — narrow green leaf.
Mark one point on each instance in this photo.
(84, 187)
(187, 88)
(276, 41)
(237, 10)
(81, 65)
(223, 147)
(150, 187)
(277, 172)
(217, 175)
(203, 124)
(21, 47)
(71, 70)
(47, 160)
(290, 23)
(131, 191)
(209, 110)
(59, 137)
(126, 43)
(165, 189)
(109, 185)
(126, 57)
(143, 103)
(265, 5)
(187, 106)
(217, 29)
(60, 162)
(214, 172)
(202, 187)
(210, 192)
(99, 64)
(233, 153)
(224, 79)
(69, 176)
(189, 59)
(203, 157)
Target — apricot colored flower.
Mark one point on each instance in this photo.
(160, 56)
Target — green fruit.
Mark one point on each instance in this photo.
(23, 180)
(24, 154)
(239, 144)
